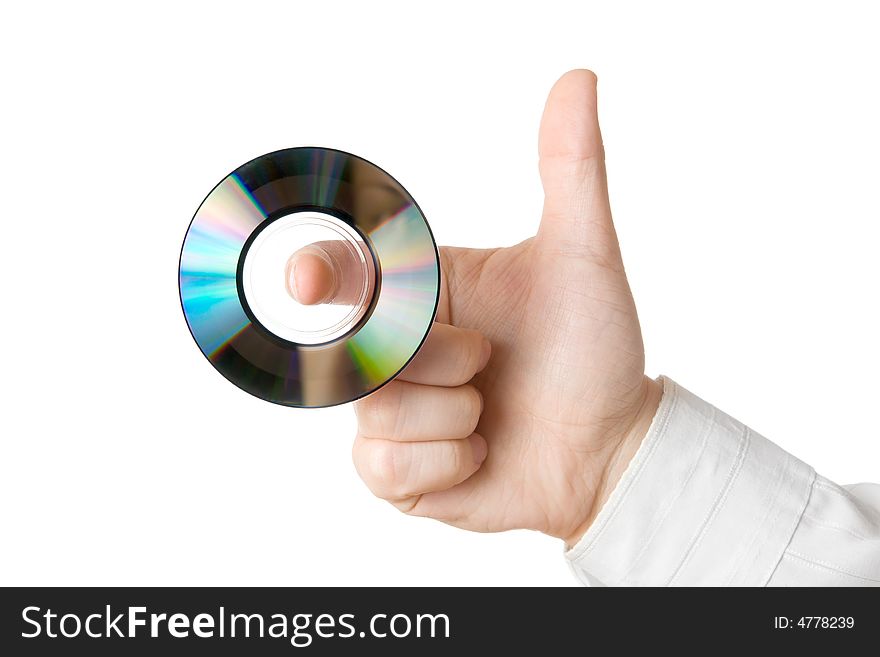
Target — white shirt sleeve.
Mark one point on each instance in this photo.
(707, 501)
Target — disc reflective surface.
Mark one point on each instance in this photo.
(232, 277)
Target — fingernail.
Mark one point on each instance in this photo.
(484, 354)
(479, 448)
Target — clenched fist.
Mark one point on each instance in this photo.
(529, 398)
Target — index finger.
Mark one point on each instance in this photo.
(450, 356)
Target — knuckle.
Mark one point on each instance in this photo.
(379, 415)
(389, 469)
(381, 462)
(408, 504)
(471, 403)
(457, 460)
(469, 355)
(360, 455)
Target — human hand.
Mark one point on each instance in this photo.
(537, 434)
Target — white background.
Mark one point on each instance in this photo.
(743, 160)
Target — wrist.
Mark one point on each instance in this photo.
(632, 435)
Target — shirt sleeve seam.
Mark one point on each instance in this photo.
(834, 526)
(798, 518)
(717, 505)
(703, 442)
(834, 489)
(824, 565)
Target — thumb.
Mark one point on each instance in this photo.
(326, 272)
(577, 214)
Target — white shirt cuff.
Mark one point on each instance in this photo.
(705, 501)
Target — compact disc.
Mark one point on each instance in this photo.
(235, 273)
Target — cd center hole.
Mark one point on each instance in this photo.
(308, 277)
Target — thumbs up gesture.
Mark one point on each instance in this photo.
(529, 398)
